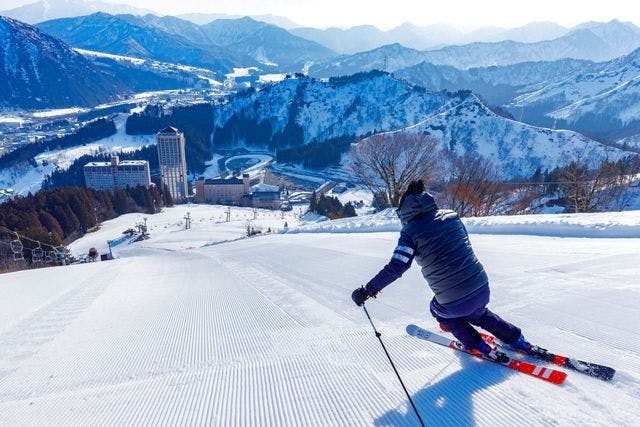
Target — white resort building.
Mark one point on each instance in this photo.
(117, 174)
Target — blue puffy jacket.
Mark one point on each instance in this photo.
(439, 242)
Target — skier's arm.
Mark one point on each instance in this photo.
(400, 262)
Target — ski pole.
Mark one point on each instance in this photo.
(379, 335)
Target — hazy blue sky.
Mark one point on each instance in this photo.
(388, 13)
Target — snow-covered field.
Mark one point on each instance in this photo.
(271, 78)
(59, 112)
(209, 227)
(11, 119)
(241, 72)
(262, 331)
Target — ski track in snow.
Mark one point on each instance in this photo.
(263, 331)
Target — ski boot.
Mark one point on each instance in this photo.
(521, 344)
(491, 352)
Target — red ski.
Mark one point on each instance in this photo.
(595, 370)
(546, 374)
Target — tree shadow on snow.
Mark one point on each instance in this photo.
(449, 401)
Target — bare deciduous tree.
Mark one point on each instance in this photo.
(387, 163)
(474, 187)
(591, 190)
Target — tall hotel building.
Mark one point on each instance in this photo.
(173, 164)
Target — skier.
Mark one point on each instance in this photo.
(439, 242)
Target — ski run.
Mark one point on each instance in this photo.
(206, 327)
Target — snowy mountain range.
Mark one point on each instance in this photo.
(40, 71)
(206, 18)
(367, 37)
(134, 36)
(497, 84)
(45, 10)
(600, 98)
(220, 45)
(468, 126)
(37, 70)
(359, 105)
(265, 43)
(596, 42)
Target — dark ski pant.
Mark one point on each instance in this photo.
(457, 318)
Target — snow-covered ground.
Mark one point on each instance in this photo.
(59, 112)
(110, 56)
(241, 72)
(209, 227)
(355, 196)
(212, 170)
(271, 78)
(593, 225)
(262, 331)
(29, 179)
(12, 120)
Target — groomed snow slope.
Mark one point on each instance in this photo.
(262, 331)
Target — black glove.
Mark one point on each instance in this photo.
(360, 295)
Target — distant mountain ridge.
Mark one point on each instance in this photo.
(45, 10)
(518, 148)
(266, 43)
(366, 37)
(304, 110)
(38, 71)
(597, 42)
(220, 45)
(206, 18)
(132, 36)
(497, 84)
(598, 98)
(602, 99)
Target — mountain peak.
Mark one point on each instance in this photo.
(45, 10)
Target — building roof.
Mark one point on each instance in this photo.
(169, 130)
(133, 163)
(265, 188)
(219, 181)
(122, 163)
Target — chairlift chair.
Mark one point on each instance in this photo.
(37, 254)
(17, 247)
(59, 253)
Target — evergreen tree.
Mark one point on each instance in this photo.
(166, 196)
(349, 210)
(313, 203)
(51, 223)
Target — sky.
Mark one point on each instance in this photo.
(385, 14)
